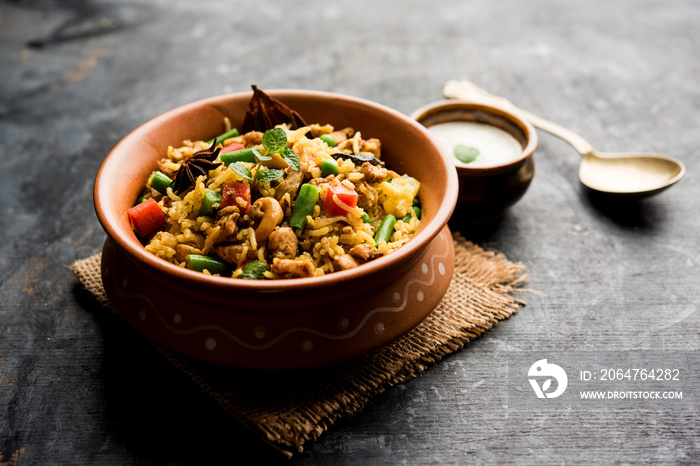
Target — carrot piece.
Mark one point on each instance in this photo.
(232, 191)
(146, 218)
(338, 199)
(232, 148)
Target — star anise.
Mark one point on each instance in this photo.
(194, 166)
(265, 112)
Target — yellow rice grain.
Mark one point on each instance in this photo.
(319, 231)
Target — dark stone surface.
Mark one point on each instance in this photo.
(76, 387)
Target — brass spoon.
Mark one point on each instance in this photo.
(628, 174)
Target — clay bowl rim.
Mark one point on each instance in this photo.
(522, 123)
(133, 248)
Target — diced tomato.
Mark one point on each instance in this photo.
(232, 191)
(344, 195)
(146, 218)
(232, 148)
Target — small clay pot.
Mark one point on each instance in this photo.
(277, 324)
(486, 193)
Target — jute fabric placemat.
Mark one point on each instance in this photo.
(290, 409)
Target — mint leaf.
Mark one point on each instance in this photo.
(291, 158)
(274, 140)
(253, 271)
(241, 170)
(268, 174)
(465, 154)
(256, 153)
(262, 158)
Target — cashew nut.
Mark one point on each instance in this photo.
(272, 216)
(275, 162)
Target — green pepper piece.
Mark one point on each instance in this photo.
(304, 205)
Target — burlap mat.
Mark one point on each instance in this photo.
(291, 409)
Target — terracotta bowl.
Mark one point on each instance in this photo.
(277, 324)
(486, 193)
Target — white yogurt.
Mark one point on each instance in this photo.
(496, 147)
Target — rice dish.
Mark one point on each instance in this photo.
(234, 206)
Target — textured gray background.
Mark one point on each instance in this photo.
(76, 387)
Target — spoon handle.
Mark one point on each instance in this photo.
(469, 91)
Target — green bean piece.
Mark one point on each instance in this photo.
(407, 218)
(210, 203)
(222, 137)
(161, 182)
(328, 139)
(142, 198)
(386, 228)
(416, 201)
(365, 218)
(304, 205)
(329, 167)
(243, 155)
(199, 263)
